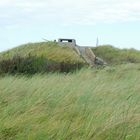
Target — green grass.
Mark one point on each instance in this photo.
(43, 57)
(51, 50)
(114, 55)
(39, 58)
(86, 105)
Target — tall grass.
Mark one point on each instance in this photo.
(114, 55)
(86, 105)
(50, 57)
(39, 58)
(51, 50)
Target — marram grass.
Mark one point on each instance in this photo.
(39, 58)
(86, 105)
(51, 50)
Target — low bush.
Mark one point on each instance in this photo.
(41, 57)
(34, 64)
(114, 55)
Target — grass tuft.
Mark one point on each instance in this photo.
(85, 105)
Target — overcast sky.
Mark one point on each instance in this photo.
(115, 22)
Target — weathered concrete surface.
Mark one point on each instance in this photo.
(84, 51)
(87, 55)
(67, 42)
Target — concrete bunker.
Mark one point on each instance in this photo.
(67, 42)
(84, 51)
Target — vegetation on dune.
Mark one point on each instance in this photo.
(90, 104)
(50, 57)
(114, 55)
(87, 105)
(40, 57)
(51, 50)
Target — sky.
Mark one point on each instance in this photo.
(115, 22)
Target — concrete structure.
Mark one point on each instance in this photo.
(84, 51)
(67, 42)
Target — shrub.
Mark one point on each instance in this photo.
(34, 64)
(114, 55)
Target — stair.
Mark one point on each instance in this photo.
(87, 54)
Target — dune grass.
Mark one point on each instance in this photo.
(86, 105)
(114, 55)
(51, 50)
(39, 58)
